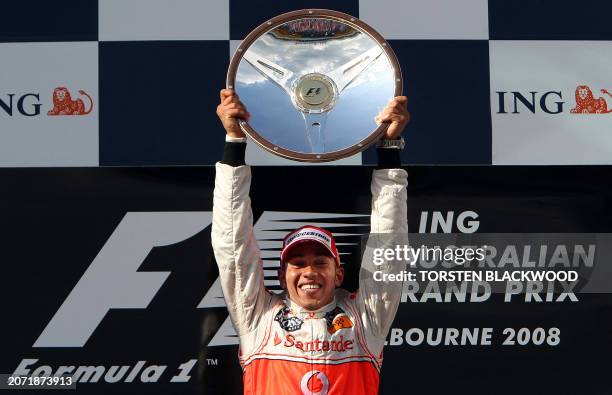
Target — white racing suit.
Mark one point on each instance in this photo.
(285, 349)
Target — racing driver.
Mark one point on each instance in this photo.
(313, 338)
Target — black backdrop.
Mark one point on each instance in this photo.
(55, 221)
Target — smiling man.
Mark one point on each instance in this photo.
(310, 268)
(314, 338)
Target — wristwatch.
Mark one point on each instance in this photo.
(392, 144)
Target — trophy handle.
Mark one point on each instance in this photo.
(274, 72)
(347, 73)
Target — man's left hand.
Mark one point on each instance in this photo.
(396, 115)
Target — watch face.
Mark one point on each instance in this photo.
(313, 82)
(385, 143)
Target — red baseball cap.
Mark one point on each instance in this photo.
(310, 233)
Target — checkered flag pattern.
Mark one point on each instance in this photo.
(489, 82)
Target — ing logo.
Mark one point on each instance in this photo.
(551, 102)
(63, 104)
(586, 103)
(29, 104)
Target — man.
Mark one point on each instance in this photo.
(313, 338)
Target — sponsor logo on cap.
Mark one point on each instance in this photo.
(309, 233)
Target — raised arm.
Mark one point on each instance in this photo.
(379, 300)
(234, 244)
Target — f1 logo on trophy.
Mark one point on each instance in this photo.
(314, 81)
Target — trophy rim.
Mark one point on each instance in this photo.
(314, 12)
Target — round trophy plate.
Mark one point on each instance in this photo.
(313, 82)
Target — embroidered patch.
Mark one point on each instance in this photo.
(336, 320)
(286, 322)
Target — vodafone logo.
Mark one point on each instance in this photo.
(314, 383)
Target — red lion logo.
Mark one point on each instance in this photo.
(64, 105)
(587, 104)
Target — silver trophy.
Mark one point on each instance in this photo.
(313, 81)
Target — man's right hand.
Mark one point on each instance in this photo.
(230, 110)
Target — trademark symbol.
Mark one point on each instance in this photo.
(212, 362)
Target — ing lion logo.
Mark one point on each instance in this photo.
(64, 105)
(587, 104)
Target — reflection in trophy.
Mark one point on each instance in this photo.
(313, 81)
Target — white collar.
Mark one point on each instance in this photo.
(299, 310)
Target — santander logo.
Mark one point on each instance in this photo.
(340, 345)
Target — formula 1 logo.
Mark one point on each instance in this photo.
(586, 103)
(314, 383)
(112, 280)
(312, 92)
(64, 105)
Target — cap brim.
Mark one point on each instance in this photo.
(288, 249)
